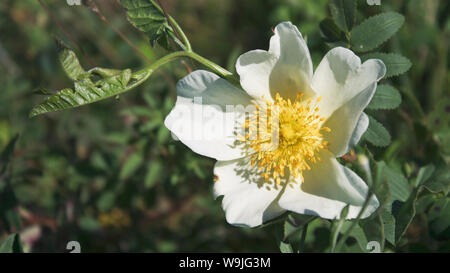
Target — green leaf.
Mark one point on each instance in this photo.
(295, 223)
(382, 190)
(89, 223)
(71, 64)
(290, 228)
(12, 217)
(149, 18)
(386, 189)
(138, 111)
(11, 244)
(285, 247)
(379, 185)
(272, 222)
(153, 173)
(388, 225)
(380, 228)
(386, 97)
(425, 202)
(104, 72)
(395, 64)
(6, 154)
(332, 35)
(112, 83)
(431, 178)
(358, 233)
(375, 30)
(286, 232)
(398, 185)
(343, 13)
(424, 174)
(133, 162)
(377, 134)
(106, 200)
(439, 218)
(435, 179)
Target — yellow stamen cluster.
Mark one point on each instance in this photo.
(299, 137)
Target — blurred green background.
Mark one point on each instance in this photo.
(110, 176)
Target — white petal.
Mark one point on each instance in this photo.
(248, 200)
(254, 68)
(286, 68)
(207, 115)
(360, 129)
(293, 71)
(340, 76)
(348, 123)
(328, 187)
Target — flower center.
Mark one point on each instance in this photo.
(299, 137)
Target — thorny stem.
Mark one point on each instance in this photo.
(176, 28)
(179, 33)
(183, 36)
(143, 74)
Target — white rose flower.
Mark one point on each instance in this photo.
(319, 117)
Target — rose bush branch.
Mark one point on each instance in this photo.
(113, 83)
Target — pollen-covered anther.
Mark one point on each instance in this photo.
(299, 137)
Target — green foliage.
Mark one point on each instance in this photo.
(285, 247)
(133, 162)
(399, 187)
(337, 226)
(331, 33)
(11, 244)
(6, 154)
(343, 13)
(149, 18)
(376, 134)
(399, 210)
(440, 218)
(114, 162)
(294, 227)
(405, 214)
(376, 30)
(385, 97)
(388, 224)
(9, 199)
(358, 234)
(435, 179)
(86, 90)
(152, 175)
(294, 224)
(395, 64)
(71, 65)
